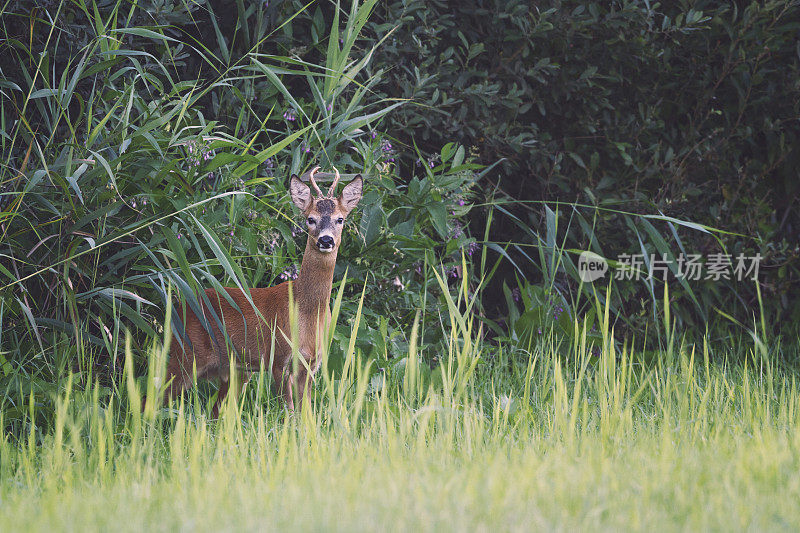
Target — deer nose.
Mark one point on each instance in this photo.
(325, 242)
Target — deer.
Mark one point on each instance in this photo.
(260, 334)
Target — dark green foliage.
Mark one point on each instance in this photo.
(689, 109)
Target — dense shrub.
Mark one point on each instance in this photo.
(689, 109)
(130, 171)
(147, 146)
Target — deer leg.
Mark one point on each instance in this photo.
(287, 384)
(225, 389)
(224, 386)
(302, 381)
(180, 379)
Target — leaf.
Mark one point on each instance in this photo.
(551, 223)
(446, 152)
(372, 220)
(29, 316)
(227, 262)
(347, 126)
(144, 32)
(270, 74)
(43, 93)
(578, 160)
(530, 321)
(458, 158)
(225, 158)
(263, 155)
(73, 182)
(122, 293)
(501, 251)
(438, 213)
(405, 228)
(664, 249)
(5, 365)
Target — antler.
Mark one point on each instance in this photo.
(314, 183)
(332, 189)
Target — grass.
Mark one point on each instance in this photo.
(499, 438)
(280, 479)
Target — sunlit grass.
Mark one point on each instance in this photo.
(549, 442)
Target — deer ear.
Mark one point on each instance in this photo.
(351, 194)
(301, 193)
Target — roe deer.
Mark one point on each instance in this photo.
(262, 333)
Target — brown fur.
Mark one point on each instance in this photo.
(252, 336)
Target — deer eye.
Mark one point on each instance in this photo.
(311, 221)
(340, 220)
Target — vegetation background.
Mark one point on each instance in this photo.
(146, 147)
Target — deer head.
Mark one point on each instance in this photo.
(325, 214)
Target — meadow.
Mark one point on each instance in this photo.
(492, 439)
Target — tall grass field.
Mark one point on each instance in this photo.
(526, 444)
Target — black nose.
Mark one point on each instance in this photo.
(326, 241)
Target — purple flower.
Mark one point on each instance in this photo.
(472, 248)
(290, 272)
(199, 151)
(373, 135)
(136, 200)
(457, 230)
(272, 240)
(290, 114)
(386, 151)
(461, 203)
(516, 294)
(269, 166)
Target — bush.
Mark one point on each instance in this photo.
(128, 174)
(686, 109)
